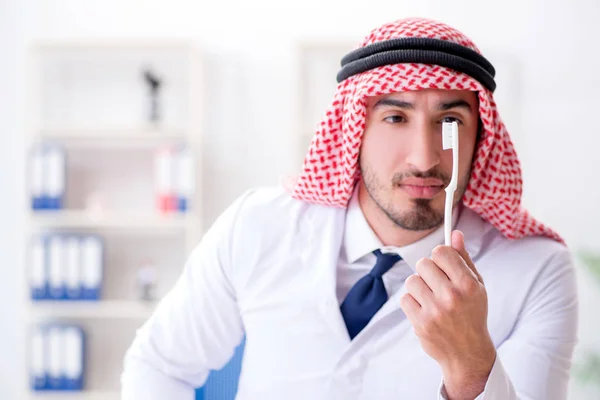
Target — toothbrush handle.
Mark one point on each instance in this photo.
(448, 217)
(451, 188)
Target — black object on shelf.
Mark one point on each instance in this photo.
(154, 83)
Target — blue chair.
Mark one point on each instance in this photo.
(223, 384)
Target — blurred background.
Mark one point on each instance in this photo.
(128, 126)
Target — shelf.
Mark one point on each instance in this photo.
(91, 98)
(110, 138)
(111, 220)
(85, 395)
(103, 309)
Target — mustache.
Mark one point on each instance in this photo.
(432, 173)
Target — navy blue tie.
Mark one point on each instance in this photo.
(368, 295)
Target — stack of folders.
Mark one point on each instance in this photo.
(57, 358)
(174, 174)
(66, 267)
(47, 176)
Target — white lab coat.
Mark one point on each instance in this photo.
(267, 269)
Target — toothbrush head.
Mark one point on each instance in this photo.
(449, 135)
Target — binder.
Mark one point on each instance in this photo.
(57, 358)
(56, 267)
(66, 267)
(55, 176)
(38, 280)
(185, 178)
(55, 351)
(164, 170)
(37, 174)
(92, 251)
(73, 365)
(73, 284)
(39, 360)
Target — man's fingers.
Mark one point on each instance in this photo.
(419, 290)
(451, 262)
(458, 243)
(455, 261)
(433, 275)
(410, 306)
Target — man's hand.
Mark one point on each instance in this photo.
(446, 303)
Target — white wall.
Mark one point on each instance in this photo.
(250, 98)
(11, 196)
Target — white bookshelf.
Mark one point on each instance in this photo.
(89, 97)
(104, 309)
(80, 219)
(91, 395)
(113, 138)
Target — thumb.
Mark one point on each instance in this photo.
(458, 244)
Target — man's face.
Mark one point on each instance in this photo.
(403, 165)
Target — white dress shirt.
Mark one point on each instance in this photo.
(357, 258)
(276, 269)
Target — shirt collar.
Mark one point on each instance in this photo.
(360, 240)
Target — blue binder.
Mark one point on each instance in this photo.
(52, 354)
(182, 204)
(73, 260)
(36, 177)
(56, 251)
(75, 383)
(39, 267)
(56, 180)
(94, 292)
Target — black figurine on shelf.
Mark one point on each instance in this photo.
(154, 84)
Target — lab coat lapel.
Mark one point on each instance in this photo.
(327, 231)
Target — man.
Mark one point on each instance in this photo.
(341, 284)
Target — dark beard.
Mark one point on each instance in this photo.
(420, 217)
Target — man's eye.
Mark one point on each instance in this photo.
(452, 119)
(394, 119)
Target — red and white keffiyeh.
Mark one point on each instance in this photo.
(330, 169)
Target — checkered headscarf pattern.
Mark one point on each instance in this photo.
(330, 168)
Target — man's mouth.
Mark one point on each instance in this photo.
(422, 188)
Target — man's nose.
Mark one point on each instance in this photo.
(424, 152)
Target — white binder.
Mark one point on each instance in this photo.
(185, 178)
(55, 176)
(39, 360)
(56, 267)
(73, 268)
(55, 353)
(92, 267)
(73, 358)
(38, 277)
(36, 177)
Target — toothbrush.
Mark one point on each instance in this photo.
(450, 141)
